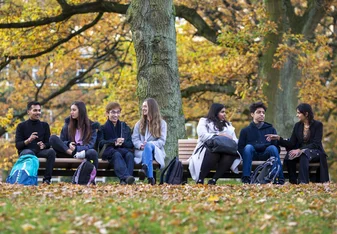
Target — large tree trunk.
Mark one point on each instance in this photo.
(154, 37)
(280, 88)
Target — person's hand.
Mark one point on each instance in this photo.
(226, 135)
(72, 146)
(142, 146)
(294, 153)
(272, 137)
(32, 137)
(41, 145)
(119, 141)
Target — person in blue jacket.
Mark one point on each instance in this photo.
(78, 135)
(253, 145)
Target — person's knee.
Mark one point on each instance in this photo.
(27, 151)
(53, 138)
(129, 156)
(248, 151)
(116, 155)
(51, 153)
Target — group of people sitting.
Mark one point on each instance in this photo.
(82, 138)
(258, 142)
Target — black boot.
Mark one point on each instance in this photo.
(212, 182)
(151, 181)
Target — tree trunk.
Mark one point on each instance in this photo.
(154, 38)
(280, 88)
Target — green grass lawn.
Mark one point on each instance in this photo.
(227, 208)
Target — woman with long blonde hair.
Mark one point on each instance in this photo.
(149, 137)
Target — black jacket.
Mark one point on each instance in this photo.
(103, 138)
(315, 142)
(25, 129)
(296, 139)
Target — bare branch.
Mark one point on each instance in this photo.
(227, 88)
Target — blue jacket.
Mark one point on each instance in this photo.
(256, 137)
(90, 145)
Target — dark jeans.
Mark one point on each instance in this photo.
(304, 160)
(223, 162)
(250, 154)
(121, 159)
(61, 149)
(49, 154)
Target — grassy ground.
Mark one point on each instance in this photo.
(227, 208)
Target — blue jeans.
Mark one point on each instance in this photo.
(250, 154)
(122, 161)
(147, 158)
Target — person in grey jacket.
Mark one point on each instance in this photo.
(78, 135)
(149, 137)
(203, 160)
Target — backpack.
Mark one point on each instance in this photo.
(85, 174)
(24, 170)
(266, 172)
(173, 173)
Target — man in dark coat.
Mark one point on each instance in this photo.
(253, 145)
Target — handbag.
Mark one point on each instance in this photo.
(221, 144)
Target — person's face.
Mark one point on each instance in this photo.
(114, 114)
(222, 114)
(34, 112)
(258, 115)
(74, 111)
(145, 108)
(301, 117)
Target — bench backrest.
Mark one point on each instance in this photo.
(187, 146)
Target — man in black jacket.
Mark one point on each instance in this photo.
(115, 144)
(253, 144)
(32, 137)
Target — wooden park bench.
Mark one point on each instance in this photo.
(67, 167)
(187, 146)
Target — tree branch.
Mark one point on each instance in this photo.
(195, 19)
(227, 88)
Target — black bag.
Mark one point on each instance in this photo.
(222, 144)
(173, 173)
(85, 174)
(267, 172)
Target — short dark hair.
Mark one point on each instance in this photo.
(32, 103)
(306, 108)
(254, 106)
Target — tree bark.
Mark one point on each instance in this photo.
(280, 88)
(154, 38)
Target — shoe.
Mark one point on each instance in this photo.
(279, 181)
(130, 179)
(151, 181)
(142, 172)
(212, 182)
(245, 179)
(45, 181)
(122, 182)
(80, 155)
(200, 181)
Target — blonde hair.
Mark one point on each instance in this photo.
(152, 119)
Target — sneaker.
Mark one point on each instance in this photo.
(122, 182)
(151, 181)
(212, 182)
(130, 179)
(143, 172)
(245, 179)
(279, 181)
(45, 181)
(200, 181)
(80, 155)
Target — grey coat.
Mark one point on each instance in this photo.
(138, 139)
